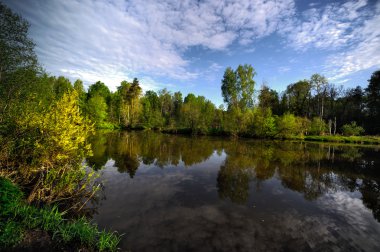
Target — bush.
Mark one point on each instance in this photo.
(263, 123)
(47, 151)
(288, 126)
(352, 129)
(318, 127)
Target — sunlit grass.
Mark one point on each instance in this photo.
(345, 139)
(16, 217)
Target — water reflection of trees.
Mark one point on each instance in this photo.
(129, 149)
(308, 168)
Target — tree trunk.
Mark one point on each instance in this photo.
(334, 125)
(330, 126)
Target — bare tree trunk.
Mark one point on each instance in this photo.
(334, 125)
(322, 107)
(330, 126)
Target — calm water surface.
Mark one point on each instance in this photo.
(176, 193)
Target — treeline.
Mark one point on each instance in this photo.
(308, 107)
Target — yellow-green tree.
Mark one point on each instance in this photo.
(54, 146)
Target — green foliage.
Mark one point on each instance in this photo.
(229, 87)
(48, 150)
(373, 140)
(268, 98)
(16, 49)
(318, 127)
(246, 85)
(352, 129)
(16, 217)
(238, 86)
(61, 86)
(288, 126)
(197, 113)
(108, 241)
(373, 102)
(99, 89)
(18, 64)
(264, 124)
(234, 125)
(298, 95)
(97, 109)
(10, 234)
(129, 105)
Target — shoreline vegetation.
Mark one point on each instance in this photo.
(372, 140)
(24, 226)
(360, 140)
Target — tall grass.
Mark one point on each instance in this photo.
(16, 217)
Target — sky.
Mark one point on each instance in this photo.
(186, 45)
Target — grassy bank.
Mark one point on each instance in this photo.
(19, 221)
(345, 139)
(373, 140)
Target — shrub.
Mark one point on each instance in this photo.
(352, 129)
(263, 123)
(318, 127)
(288, 126)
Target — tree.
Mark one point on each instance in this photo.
(263, 123)
(100, 89)
(61, 86)
(177, 102)
(16, 48)
(97, 109)
(246, 85)
(351, 106)
(79, 88)
(166, 104)
(229, 88)
(18, 63)
(238, 87)
(319, 84)
(268, 98)
(129, 101)
(151, 112)
(191, 111)
(57, 139)
(373, 102)
(298, 97)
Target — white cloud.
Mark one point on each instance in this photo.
(330, 27)
(362, 55)
(117, 39)
(349, 31)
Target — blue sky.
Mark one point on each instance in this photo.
(186, 45)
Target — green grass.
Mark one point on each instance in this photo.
(370, 140)
(16, 217)
(108, 125)
(345, 139)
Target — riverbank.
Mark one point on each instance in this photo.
(23, 226)
(371, 140)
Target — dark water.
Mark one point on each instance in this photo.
(176, 193)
